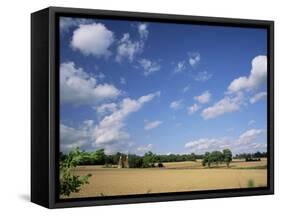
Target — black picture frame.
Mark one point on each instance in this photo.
(45, 107)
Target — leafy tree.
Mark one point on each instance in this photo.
(149, 159)
(69, 182)
(227, 154)
(217, 157)
(135, 161)
(206, 159)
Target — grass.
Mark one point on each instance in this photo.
(251, 183)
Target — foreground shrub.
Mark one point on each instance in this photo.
(69, 182)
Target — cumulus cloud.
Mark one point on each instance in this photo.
(204, 97)
(110, 132)
(180, 66)
(251, 122)
(92, 39)
(228, 104)
(249, 136)
(151, 125)
(246, 142)
(149, 66)
(177, 104)
(193, 109)
(68, 22)
(71, 137)
(233, 98)
(144, 148)
(128, 49)
(257, 97)
(186, 88)
(203, 76)
(207, 144)
(78, 87)
(194, 59)
(123, 81)
(106, 108)
(143, 30)
(257, 76)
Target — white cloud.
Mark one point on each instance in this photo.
(100, 76)
(151, 125)
(106, 108)
(123, 81)
(94, 39)
(257, 76)
(177, 104)
(207, 144)
(233, 98)
(249, 136)
(257, 97)
(149, 66)
(68, 22)
(193, 109)
(204, 97)
(251, 122)
(228, 104)
(78, 87)
(180, 66)
(186, 88)
(71, 137)
(128, 49)
(203, 76)
(194, 59)
(246, 142)
(110, 132)
(143, 31)
(144, 148)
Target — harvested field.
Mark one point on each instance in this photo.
(175, 177)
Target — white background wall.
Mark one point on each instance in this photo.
(15, 106)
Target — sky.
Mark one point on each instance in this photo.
(134, 87)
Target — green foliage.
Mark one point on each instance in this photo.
(227, 154)
(251, 183)
(251, 156)
(179, 157)
(217, 157)
(149, 159)
(70, 183)
(93, 158)
(135, 161)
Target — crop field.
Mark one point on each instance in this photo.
(174, 177)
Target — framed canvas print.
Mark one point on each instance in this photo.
(139, 107)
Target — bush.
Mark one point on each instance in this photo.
(70, 183)
(160, 165)
(251, 183)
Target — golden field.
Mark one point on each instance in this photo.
(175, 177)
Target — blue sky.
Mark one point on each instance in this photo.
(170, 88)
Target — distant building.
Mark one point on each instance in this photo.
(123, 161)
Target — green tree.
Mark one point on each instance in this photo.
(149, 159)
(206, 159)
(216, 157)
(227, 155)
(135, 161)
(69, 182)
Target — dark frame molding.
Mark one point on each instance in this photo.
(45, 106)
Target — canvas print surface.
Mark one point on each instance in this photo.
(150, 107)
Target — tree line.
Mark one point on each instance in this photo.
(251, 156)
(150, 159)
